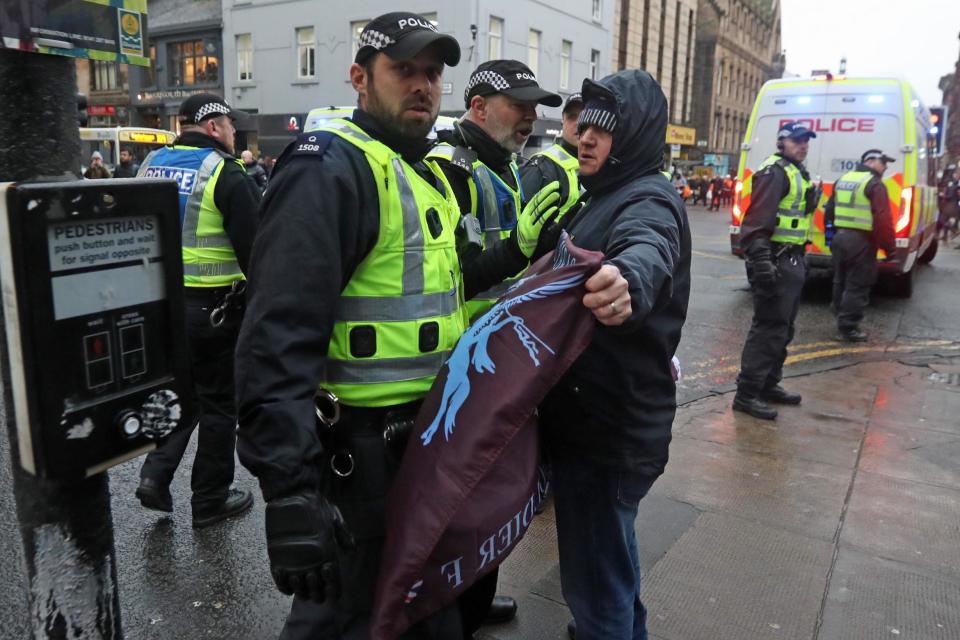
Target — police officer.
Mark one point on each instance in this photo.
(859, 210)
(773, 236)
(477, 157)
(558, 162)
(218, 213)
(356, 288)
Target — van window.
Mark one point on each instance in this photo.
(841, 140)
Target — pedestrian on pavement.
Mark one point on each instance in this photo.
(607, 424)
(128, 167)
(773, 235)
(704, 190)
(97, 170)
(478, 156)
(948, 221)
(256, 172)
(716, 187)
(558, 162)
(859, 210)
(364, 304)
(218, 210)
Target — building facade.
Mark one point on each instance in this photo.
(659, 36)
(950, 86)
(283, 58)
(738, 49)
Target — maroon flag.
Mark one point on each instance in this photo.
(470, 478)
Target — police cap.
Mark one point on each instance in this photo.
(403, 35)
(511, 78)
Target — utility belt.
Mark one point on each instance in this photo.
(778, 249)
(339, 424)
(226, 304)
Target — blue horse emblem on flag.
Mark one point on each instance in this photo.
(472, 350)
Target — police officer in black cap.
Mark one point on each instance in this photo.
(479, 159)
(859, 211)
(218, 213)
(773, 235)
(558, 161)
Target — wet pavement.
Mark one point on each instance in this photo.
(839, 520)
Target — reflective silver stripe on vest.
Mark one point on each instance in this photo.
(191, 217)
(375, 370)
(412, 233)
(395, 309)
(491, 209)
(212, 269)
(790, 233)
(851, 188)
(495, 292)
(796, 210)
(557, 154)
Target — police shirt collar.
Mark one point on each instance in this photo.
(201, 140)
(490, 152)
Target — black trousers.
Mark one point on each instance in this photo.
(211, 363)
(361, 498)
(854, 273)
(772, 328)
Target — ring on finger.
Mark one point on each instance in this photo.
(613, 306)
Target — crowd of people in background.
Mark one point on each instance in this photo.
(712, 191)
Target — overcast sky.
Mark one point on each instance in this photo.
(913, 39)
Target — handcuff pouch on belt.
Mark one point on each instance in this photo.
(335, 435)
(230, 308)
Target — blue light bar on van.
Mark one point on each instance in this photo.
(803, 100)
(875, 99)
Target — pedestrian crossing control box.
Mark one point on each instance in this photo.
(95, 358)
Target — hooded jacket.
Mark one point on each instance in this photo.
(617, 402)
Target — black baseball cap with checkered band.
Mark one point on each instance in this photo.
(511, 78)
(403, 35)
(201, 106)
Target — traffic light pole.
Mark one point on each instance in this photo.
(66, 529)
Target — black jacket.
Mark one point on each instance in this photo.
(128, 170)
(236, 196)
(760, 219)
(617, 403)
(321, 217)
(882, 236)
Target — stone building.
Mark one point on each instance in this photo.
(738, 48)
(950, 85)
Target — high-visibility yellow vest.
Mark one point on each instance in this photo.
(793, 224)
(402, 311)
(570, 166)
(851, 204)
(495, 203)
(208, 256)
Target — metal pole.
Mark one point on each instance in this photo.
(66, 528)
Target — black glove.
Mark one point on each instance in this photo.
(304, 533)
(764, 274)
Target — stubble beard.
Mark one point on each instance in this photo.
(392, 120)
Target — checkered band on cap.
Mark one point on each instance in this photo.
(491, 78)
(375, 39)
(209, 108)
(597, 117)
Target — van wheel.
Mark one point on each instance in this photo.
(927, 256)
(901, 286)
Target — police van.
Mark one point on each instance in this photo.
(849, 116)
(316, 118)
(109, 141)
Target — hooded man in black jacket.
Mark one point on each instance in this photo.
(607, 424)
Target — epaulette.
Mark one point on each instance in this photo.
(311, 143)
(458, 156)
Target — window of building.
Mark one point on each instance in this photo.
(104, 76)
(150, 73)
(597, 10)
(566, 51)
(356, 28)
(495, 39)
(193, 62)
(594, 64)
(244, 57)
(306, 53)
(533, 51)
(720, 78)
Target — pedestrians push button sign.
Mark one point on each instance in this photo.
(92, 283)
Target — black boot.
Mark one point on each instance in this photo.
(236, 503)
(154, 495)
(779, 395)
(502, 609)
(754, 406)
(853, 335)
